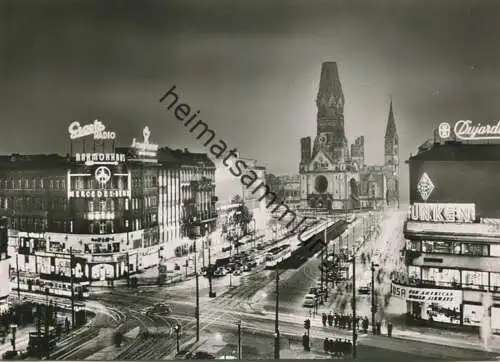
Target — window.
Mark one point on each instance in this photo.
(413, 272)
(91, 206)
(475, 249)
(414, 245)
(441, 276)
(474, 279)
(494, 249)
(495, 282)
(439, 247)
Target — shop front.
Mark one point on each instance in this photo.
(430, 304)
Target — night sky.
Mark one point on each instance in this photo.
(251, 67)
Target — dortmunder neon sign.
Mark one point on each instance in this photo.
(97, 129)
(466, 131)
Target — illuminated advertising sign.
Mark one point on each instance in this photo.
(100, 158)
(452, 213)
(101, 176)
(97, 129)
(145, 148)
(426, 295)
(468, 131)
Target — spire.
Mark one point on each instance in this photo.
(330, 95)
(390, 131)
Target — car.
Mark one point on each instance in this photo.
(159, 308)
(183, 354)
(201, 355)
(246, 267)
(237, 272)
(364, 289)
(309, 301)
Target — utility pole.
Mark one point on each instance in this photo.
(239, 339)
(72, 278)
(46, 336)
(231, 274)
(276, 320)
(197, 311)
(354, 317)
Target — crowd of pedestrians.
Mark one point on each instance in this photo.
(337, 347)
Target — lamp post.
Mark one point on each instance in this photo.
(177, 332)
(197, 310)
(72, 277)
(239, 339)
(354, 317)
(374, 306)
(276, 320)
(211, 294)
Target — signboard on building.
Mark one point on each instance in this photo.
(451, 213)
(96, 129)
(469, 131)
(426, 295)
(145, 149)
(96, 182)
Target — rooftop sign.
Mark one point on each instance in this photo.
(145, 148)
(467, 131)
(97, 129)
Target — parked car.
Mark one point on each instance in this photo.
(365, 289)
(183, 354)
(237, 272)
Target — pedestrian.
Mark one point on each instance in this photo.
(326, 345)
(349, 322)
(379, 327)
(336, 320)
(389, 329)
(324, 319)
(336, 347)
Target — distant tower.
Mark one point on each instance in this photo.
(391, 160)
(330, 128)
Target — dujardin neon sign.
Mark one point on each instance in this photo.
(96, 129)
(468, 131)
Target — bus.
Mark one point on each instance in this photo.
(60, 287)
(277, 254)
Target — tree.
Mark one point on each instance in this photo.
(243, 217)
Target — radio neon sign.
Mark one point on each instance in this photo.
(97, 129)
(467, 131)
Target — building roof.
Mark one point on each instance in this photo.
(185, 157)
(39, 161)
(456, 151)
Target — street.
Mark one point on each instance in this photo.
(249, 298)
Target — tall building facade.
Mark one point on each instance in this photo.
(334, 176)
(452, 252)
(116, 210)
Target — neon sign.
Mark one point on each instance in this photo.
(466, 130)
(90, 194)
(91, 159)
(460, 213)
(97, 129)
(145, 148)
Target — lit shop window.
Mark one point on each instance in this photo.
(414, 272)
(441, 276)
(91, 206)
(474, 279)
(475, 249)
(495, 282)
(494, 249)
(126, 223)
(126, 204)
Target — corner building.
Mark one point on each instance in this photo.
(452, 253)
(116, 210)
(336, 177)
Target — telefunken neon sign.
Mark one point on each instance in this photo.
(97, 129)
(466, 130)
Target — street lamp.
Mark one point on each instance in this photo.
(177, 332)
(276, 320)
(374, 306)
(239, 338)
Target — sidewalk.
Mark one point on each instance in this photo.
(22, 339)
